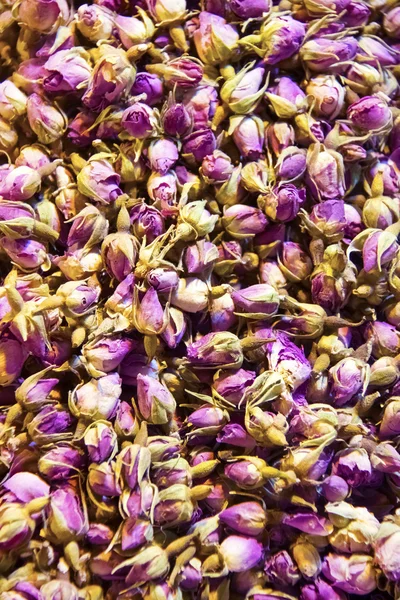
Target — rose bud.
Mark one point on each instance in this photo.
(175, 119)
(326, 220)
(348, 377)
(47, 121)
(231, 386)
(247, 9)
(222, 312)
(200, 257)
(371, 113)
(257, 301)
(61, 462)
(155, 401)
(149, 84)
(176, 470)
(216, 350)
(280, 568)
(52, 590)
(248, 134)
(17, 523)
(243, 91)
(283, 203)
(176, 504)
(215, 39)
(184, 72)
(198, 145)
(162, 155)
(95, 22)
(29, 255)
(390, 425)
(139, 120)
(104, 354)
(279, 136)
(335, 488)
(325, 173)
(286, 97)
(386, 549)
(146, 221)
(163, 280)
(247, 518)
(377, 52)
(319, 54)
(175, 329)
(98, 181)
(111, 79)
(191, 295)
(135, 533)
(20, 184)
(89, 227)
(67, 71)
(100, 441)
(353, 465)
(119, 253)
(126, 425)
(391, 23)
(13, 101)
(149, 564)
(385, 458)
(99, 534)
(97, 399)
(234, 434)
(327, 96)
(321, 590)
(43, 15)
(279, 39)
(134, 463)
(353, 574)
(240, 553)
(148, 315)
(103, 481)
(133, 31)
(384, 337)
(243, 221)
(295, 264)
(66, 515)
(291, 164)
(216, 167)
(378, 248)
(246, 474)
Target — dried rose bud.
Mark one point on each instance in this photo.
(320, 54)
(102, 480)
(279, 39)
(149, 84)
(43, 15)
(335, 488)
(55, 589)
(242, 221)
(327, 96)
(243, 91)
(61, 462)
(95, 22)
(216, 350)
(246, 518)
(12, 101)
(240, 553)
(216, 167)
(248, 134)
(149, 564)
(198, 145)
(257, 301)
(133, 31)
(139, 120)
(191, 295)
(66, 515)
(47, 121)
(354, 574)
(100, 441)
(215, 39)
(385, 339)
(371, 113)
(325, 173)
(353, 465)
(386, 549)
(162, 154)
(20, 183)
(155, 401)
(97, 399)
(98, 180)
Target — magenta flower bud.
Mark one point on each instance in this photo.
(47, 121)
(335, 489)
(162, 155)
(211, 28)
(163, 280)
(241, 221)
(79, 129)
(321, 590)
(28, 254)
(103, 481)
(191, 576)
(283, 203)
(200, 257)
(198, 145)
(353, 574)
(348, 377)
(119, 252)
(12, 101)
(248, 135)
(97, 399)
(183, 72)
(231, 386)
(146, 221)
(207, 416)
(43, 15)
(175, 119)
(325, 173)
(385, 339)
(149, 84)
(234, 434)
(27, 486)
(291, 164)
(319, 54)
(155, 401)
(95, 22)
(50, 424)
(216, 167)
(67, 71)
(279, 136)
(391, 23)
(191, 295)
(386, 546)
(139, 120)
(245, 474)
(34, 157)
(125, 425)
(289, 93)
(135, 464)
(222, 313)
(247, 9)
(100, 441)
(353, 222)
(20, 184)
(240, 553)
(353, 465)
(327, 220)
(295, 263)
(175, 329)
(66, 515)
(61, 462)
(247, 518)
(379, 249)
(377, 53)
(98, 181)
(370, 114)
(327, 96)
(216, 350)
(162, 189)
(280, 568)
(135, 533)
(201, 104)
(257, 301)
(111, 79)
(99, 534)
(104, 354)
(390, 425)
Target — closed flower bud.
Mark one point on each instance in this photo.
(307, 559)
(16, 523)
(149, 316)
(149, 564)
(95, 22)
(167, 473)
(105, 354)
(147, 220)
(175, 119)
(216, 350)
(163, 280)
(296, 265)
(102, 480)
(355, 527)
(111, 79)
(149, 84)
(215, 39)
(353, 574)
(198, 145)
(325, 173)
(287, 98)
(162, 155)
(231, 386)
(119, 251)
(126, 425)
(61, 462)
(320, 53)
(50, 424)
(13, 101)
(353, 465)
(67, 71)
(47, 121)
(279, 38)
(246, 518)
(390, 425)
(280, 568)
(327, 96)
(100, 441)
(155, 401)
(243, 91)
(257, 301)
(133, 463)
(378, 248)
(216, 167)
(97, 399)
(20, 184)
(246, 9)
(282, 203)
(195, 221)
(291, 163)
(371, 113)
(184, 72)
(98, 180)
(385, 339)
(386, 549)
(43, 15)
(272, 274)
(191, 295)
(279, 136)
(35, 391)
(139, 120)
(166, 10)
(349, 377)
(391, 23)
(89, 227)
(248, 134)
(246, 474)
(174, 506)
(133, 31)
(59, 590)
(242, 221)
(200, 257)
(240, 553)
(66, 515)
(335, 488)
(326, 220)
